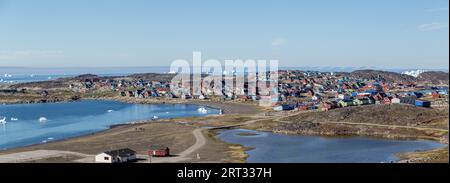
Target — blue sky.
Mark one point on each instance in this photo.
(344, 33)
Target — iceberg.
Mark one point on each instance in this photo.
(202, 110)
(43, 119)
(3, 120)
(414, 73)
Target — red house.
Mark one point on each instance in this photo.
(163, 90)
(158, 151)
(378, 97)
(302, 108)
(326, 106)
(368, 87)
(147, 94)
(435, 94)
(387, 100)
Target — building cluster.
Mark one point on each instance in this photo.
(296, 90)
(326, 90)
(126, 87)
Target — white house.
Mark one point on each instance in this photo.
(395, 101)
(116, 156)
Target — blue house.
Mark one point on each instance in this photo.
(422, 103)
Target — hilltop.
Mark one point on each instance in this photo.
(391, 77)
(398, 114)
(382, 75)
(434, 76)
(64, 82)
(153, 76)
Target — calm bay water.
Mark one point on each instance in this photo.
(12, 79)
(71, 119)
(30, 74)
(276, 148)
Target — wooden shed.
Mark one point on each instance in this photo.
(159, 151)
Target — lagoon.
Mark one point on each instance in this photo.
(28, 124)
(277, 148)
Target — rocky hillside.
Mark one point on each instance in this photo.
(403, 115)
(64, 82)
(153, 77)
(429, 76)
(59, 83)
(382, 75)
(434, 76)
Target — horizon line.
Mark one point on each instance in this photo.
(311, 68)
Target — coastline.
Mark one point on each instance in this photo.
(235, 152)
(230, 110)
(419, 156)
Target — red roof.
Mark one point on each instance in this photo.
(162, 89)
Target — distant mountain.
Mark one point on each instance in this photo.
(434, 76)
(382, 75)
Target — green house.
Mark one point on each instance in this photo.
(346, 103)
(364, 101)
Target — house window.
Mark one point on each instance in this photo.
(107, 158)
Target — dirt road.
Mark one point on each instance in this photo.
(36, 155)
(200, 141)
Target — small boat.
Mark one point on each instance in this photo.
(43, 119)
(155, 117)
(110, 111)
(14, 119)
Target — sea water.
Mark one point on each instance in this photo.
(43, 123)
